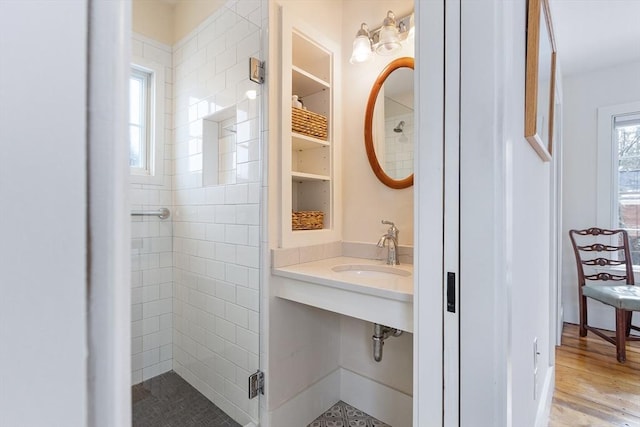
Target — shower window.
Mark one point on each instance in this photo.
(139, 120)
(146, 122)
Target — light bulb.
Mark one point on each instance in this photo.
(389, 41)
(361, 45)
(361, 50)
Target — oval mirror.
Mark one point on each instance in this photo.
(388, 125)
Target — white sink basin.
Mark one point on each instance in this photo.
(366, 270)
(365, 289)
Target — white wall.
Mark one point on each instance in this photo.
(366, 201)
(321, 342)
(151, 244)
(217, 229)
(360, 187)
(303, 343)
(584, 93)
(304, 347)
(504, 283)
(43, 271)
(356, 354)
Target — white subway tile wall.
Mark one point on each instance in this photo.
(195, 276)
(152, 247)
(216, 229)
(227, 152)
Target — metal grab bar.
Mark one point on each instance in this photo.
(162, 213)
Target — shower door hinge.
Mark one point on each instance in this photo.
(256, 70)
(256, 384)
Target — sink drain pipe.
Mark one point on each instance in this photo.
(381, 333)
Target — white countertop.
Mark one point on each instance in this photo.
(387, 300)
(393, 287)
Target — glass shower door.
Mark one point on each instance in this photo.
(196, 275)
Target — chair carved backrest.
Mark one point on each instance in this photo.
(598, 247)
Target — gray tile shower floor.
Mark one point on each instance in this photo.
(169, 401)
(344, 415)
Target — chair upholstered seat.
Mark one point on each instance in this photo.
(605, 274)
(626, 297)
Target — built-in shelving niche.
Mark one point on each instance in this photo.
(219, 149)
(309, 169)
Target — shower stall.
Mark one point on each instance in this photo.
(195, 282)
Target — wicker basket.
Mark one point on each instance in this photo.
(308, 123)
(307, 220)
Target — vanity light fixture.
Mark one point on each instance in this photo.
(385, 40)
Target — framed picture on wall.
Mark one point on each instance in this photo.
(540, 79)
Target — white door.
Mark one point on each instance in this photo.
(436, 291)
(451, 241)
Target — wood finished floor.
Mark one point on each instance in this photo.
(592, 388)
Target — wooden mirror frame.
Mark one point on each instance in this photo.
(368, 125)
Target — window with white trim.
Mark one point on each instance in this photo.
(619, 171)
(626, 137)
(139, 132)
(146, 122)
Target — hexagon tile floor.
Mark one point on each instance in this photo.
(343, 415)
(169, 401)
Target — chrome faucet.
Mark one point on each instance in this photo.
(392, 238)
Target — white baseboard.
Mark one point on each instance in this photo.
(560, 326)
(308, 404)
(384, 403)
(546, 397)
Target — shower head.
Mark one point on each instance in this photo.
(398, 129)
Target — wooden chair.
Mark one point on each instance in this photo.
(600, 251)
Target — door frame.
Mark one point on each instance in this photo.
(428, 398)
(108, 230)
